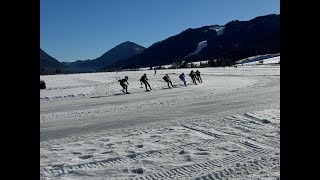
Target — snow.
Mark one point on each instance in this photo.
(167, 66)
(200, 46)
(203, 44)
(198, 63)
(228, 127)
(273, 60)
(144, 69)
(218, 29)
(268, 58)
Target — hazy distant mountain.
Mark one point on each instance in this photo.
(235, 40)
(122, 51)
(48, 64)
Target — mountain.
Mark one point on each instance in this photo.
(48, 64)
(241, 39)
(233, 41)
(169, 50)
(122, 51)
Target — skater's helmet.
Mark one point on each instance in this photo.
(145, 74)
(126, 77)
(182, 73)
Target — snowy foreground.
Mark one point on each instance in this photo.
(225, 128)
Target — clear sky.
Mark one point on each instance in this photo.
(73, 30)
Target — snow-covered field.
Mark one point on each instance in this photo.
(228, 127)
(265, 59)
(273, 60)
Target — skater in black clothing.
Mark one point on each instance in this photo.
(168, 80)
(193, 77)
(124, 83)
(144, 80)
(198, 76)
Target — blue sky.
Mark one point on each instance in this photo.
(73, 30)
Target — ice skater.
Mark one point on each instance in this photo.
(168, 80)
(124, 83)
(182, 78)
(144, 80)
(193, 77)
(198, 77)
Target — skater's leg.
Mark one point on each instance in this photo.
(149, 86)
(145, 85)
(168, 84)
(171, 83)
(123, 88)
(198, 79)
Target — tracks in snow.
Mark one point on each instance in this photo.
(255, 155)
(131, 158)
(189, 171)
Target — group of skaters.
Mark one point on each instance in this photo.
(195, 76)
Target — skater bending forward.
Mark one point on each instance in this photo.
(182, 78)
(144, 80)
(168, 80)
(124, 83)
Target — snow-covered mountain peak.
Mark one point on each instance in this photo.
(219, 29)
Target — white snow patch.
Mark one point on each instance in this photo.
(218, 29)
(200, 46)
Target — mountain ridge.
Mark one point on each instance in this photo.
(119, 52)
(48, 64)
(236, 40)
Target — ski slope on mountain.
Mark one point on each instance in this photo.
(200, 46)
(227, 127)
